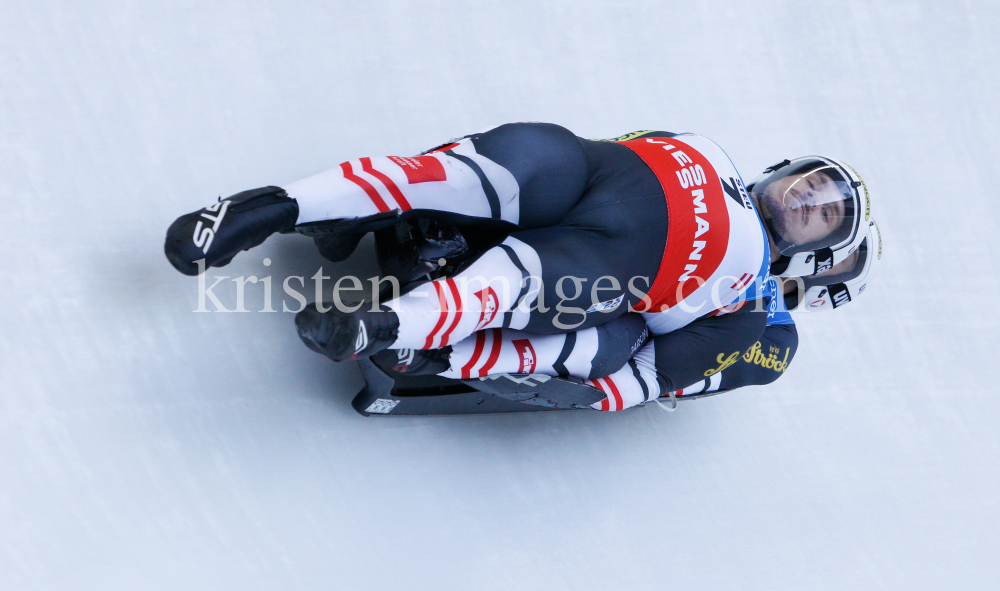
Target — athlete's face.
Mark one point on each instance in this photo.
(805, 208)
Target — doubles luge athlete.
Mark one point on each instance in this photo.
(574, 233)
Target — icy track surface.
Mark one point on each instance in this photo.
(145, 446)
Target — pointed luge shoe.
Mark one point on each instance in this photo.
(414, 362)
(219, 232)
(337, 239)
(347, 335)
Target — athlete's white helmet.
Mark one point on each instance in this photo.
(832, 290)
(812, 183)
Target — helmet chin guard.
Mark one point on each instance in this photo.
(832, 290)
(813, 262)
(808, 183)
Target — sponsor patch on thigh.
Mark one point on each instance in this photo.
(420, 169)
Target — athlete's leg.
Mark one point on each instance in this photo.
(549, 163)
(429, 316)
(547, 175)
(483, 295)
(591, 353)
(635, 383)
(546, 281)
(539, 280)
(463, 182)
(529, 174)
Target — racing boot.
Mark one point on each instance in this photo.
(347, 335)
(414, 362)
(219, 232)
(420, 250)
(337, 239)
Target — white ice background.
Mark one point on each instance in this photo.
(145, 446)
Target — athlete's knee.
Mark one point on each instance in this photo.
(522, 137)
(547, 160)
(617, 341)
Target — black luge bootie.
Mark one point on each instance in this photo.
(347, 335)
(337, 239)
(219, 232)
(420, 250)
(414, 362)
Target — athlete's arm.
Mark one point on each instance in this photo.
(707, 346)
(765, 361)
(686, 356)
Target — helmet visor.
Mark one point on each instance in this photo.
(808, 204)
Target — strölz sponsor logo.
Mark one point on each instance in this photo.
(723, 362)
(203, 236)
(770, 361)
